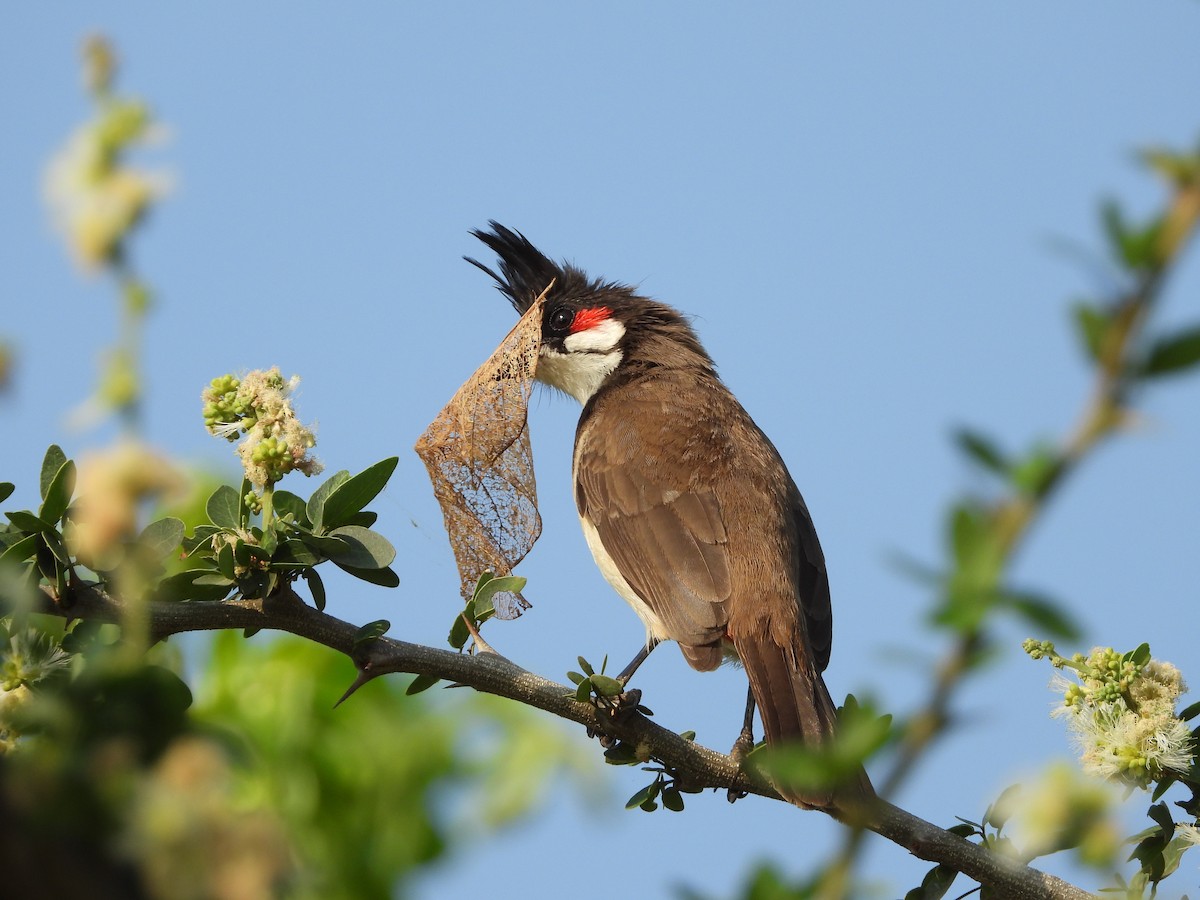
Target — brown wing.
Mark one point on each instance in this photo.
(665, 536)
(813, 585)
(661, 479)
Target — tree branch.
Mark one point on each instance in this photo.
(493, 674)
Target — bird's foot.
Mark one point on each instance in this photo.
(741, 749)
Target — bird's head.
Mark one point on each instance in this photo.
(591, 328)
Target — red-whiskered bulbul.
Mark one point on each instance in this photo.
(687, 507)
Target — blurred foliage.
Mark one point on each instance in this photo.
(7, 364)
(351, 784)
(266, 789)
(98, 198)
(1128, 352)
(263, 788)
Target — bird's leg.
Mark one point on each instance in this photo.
(627, 699)
(744, 743)
(636, 662)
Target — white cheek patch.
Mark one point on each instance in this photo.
(577, 374)
(600, 338)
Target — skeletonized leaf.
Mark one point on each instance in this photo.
(480, 461)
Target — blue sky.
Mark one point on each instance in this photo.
(859, 206)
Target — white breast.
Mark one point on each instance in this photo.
(608, 568)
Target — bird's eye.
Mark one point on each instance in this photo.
(561, 319)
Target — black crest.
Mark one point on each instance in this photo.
(525, 270)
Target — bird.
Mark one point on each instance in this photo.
(688, 509)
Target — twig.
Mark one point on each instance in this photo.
(493, 674)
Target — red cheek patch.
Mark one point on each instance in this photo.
(590, 318)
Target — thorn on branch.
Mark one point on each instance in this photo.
(365, 673)
(481, 645)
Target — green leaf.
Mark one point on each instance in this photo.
(1190, 712)
(162, 537)
(364, 548)
(421, 683)
(1162, 816)
(81, 637)
(1092, 325)
(1162, 786)
(574, 677)
(316, 503)
(606, 686)
(370, 632)
(621, 754)
(20, 551)
(46, 563)
(316, 587)
(256, 584)
(998, 813)
(246, 554)
(968, 531)
(294, 554)
(224, 507)
(1173, 854)
(56, 546)
(1173, 354)
(6, 490)
(194, 584)
(225, 561)
(28, 523)
(51, 463)
(458, 633)
(965, 830)
(352, 495)
(201, 537)
(982, 450)
(586, 666)
(213, 579)
(1037, 470)
(286, 503)
(384, 577)
(672, 799)
(1140, 655)
(58, 493)
(644, 796)
(1136, 248)
(1043, 613)
(583, 693)
(486, 591)
(934, 885)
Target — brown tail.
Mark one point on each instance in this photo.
(795, 707)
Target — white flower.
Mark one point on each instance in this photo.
(1190, 833)
(1119, 744)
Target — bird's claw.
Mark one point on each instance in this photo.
(741, 749)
